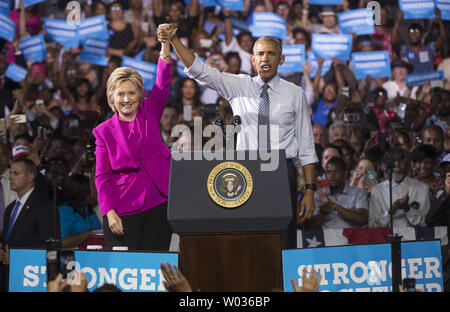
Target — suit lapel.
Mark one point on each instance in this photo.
(23, 213)
(119, 135)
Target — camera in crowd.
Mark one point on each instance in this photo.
(60, 261)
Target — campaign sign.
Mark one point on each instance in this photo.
(268, 24)
(28, 3)
(129, 271)
(7, 27)
(444, 6)
(4, 7)
(204, 3)
(146, 70)
(93, 27)
(294, 57)
(33, 48)
(325, 2)
(15, 72)
(94, 52)
(312, 61)
(62, 32)
(421, 78)
(365, 268)
(232, 5)
(329, 46)
(374, 64)
(357, 21)
(417, 9)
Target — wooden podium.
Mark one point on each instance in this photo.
(230, 249)
(232, 261)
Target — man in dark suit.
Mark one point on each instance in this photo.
(29, 221)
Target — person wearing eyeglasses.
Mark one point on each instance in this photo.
(421, 55)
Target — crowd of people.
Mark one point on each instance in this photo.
(365, 130)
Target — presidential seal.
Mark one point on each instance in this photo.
(229, 184)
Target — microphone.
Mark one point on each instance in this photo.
(219, 122)
(237, 123)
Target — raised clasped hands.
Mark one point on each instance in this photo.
(166, 32)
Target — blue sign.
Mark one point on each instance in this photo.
(232, 5)
(329, 46)
(204, 3)
(15, 72)
(312, 61)
(374, 64)
(365, 268)
(33, 48)
(7, 28)
(325, 2)
(93, 27)
(294, 58)
(417, 9)
(357, 21)
(444, 6)
(62, 32)
(94, 52)
(4, 7)
(146, 70)
(129, 271)
(28, 3)
(268, 24)
(421, 78)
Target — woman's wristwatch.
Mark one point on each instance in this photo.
(311, 187)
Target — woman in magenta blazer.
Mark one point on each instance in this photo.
(132, 162)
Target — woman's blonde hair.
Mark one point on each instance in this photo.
(120, 75)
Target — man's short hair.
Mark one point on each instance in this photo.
(337, 161)
(30, 167)
(271, 39)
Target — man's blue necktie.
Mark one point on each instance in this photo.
(13, 217)
(264, 119)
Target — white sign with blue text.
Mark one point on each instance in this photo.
(365, 268)
(268, 24)
(129, 271)
(294, 57)
(417, 9)
(374, 64)
(329, 46)
(146, 70)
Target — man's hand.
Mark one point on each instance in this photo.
(306, 207)
(310, 284)
(56, 285)
(402, 203)
(4, 254)
(166, 32)
(174, 279)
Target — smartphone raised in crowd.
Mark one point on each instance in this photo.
(371, 176)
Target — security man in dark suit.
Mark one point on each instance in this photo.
(28, 221)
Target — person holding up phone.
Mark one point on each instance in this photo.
(364, 176)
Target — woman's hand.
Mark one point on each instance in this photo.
(115, 223)
(166, 32)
